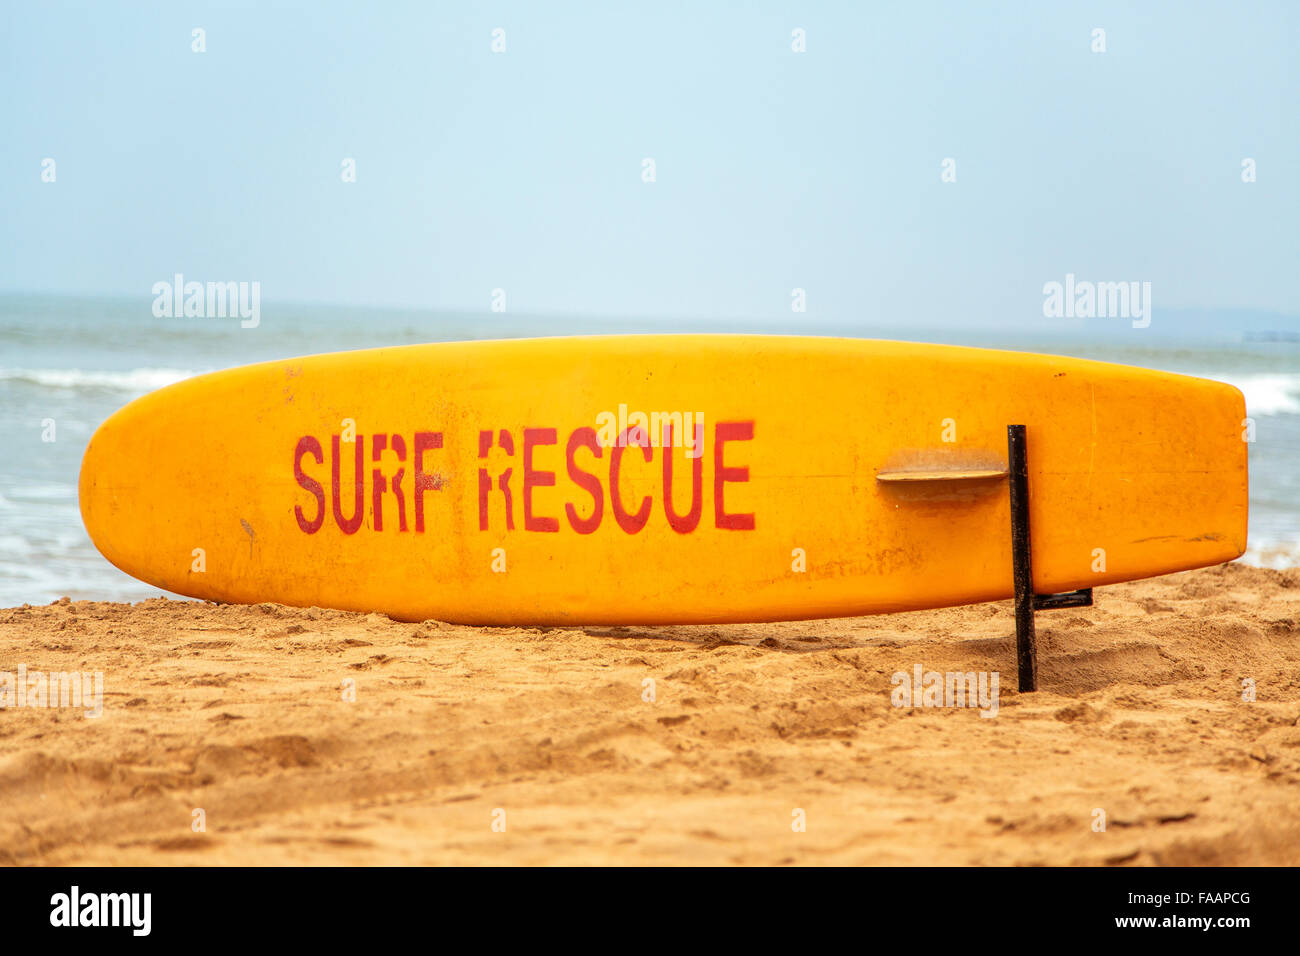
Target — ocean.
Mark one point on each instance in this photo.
(67, 363)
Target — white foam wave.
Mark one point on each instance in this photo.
(1280, 556)
(1267, 393)
(42, 493)
(131, 380)
(13, 545)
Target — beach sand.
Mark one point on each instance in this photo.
(240, 712)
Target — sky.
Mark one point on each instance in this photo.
(774, 170)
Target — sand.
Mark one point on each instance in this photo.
(473, 745)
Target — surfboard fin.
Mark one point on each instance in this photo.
(915, 475)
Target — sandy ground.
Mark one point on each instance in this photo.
(240, 712)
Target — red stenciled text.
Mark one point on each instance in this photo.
(390, 478)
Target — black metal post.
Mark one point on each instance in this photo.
(1022, 567)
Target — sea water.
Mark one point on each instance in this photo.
(66, 364)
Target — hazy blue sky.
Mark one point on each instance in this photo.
(775, 169)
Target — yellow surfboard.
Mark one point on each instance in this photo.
(661, 479)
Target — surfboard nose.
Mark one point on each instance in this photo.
(100, 488)
(123, 490)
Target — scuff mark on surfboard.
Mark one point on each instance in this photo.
(1208, 536)
(290, 373)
